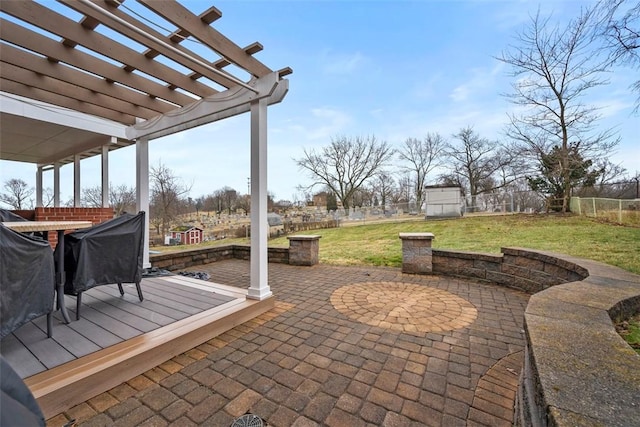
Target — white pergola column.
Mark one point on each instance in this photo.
(56, 185)
(39, 187)
(259, 288)
(76, 181)
(142, 192)
(104, 156)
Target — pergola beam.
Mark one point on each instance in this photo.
(54, 23)
(72, 92)
(211, 109)
(40, 65)
(154, 43)
(181, 17)
(47, 47)
(33, 92)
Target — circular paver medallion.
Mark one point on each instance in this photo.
(404, 307)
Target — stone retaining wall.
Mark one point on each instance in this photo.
(530, 271)
(302, 250)
(577, 369)
(191, 257)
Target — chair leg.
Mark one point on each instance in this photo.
(139, 291)
(120, 289)
(78, 303)
(49, 324)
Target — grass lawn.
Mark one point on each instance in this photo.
(378, 244)
(630, 331)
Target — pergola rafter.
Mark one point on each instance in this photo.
(130, 85)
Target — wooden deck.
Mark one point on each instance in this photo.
(119, 337)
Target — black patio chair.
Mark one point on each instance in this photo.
(8, 216)
(27, 280)
(19, 407)
(107, 253)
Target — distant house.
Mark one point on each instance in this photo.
(320, 199)
(442, 201)
(186, 235)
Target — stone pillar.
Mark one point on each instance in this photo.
(303, 250)
(416, 253)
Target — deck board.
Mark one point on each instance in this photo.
(97, 334)
(76, 344)
(108, 318)
(174, 294)
(136, 322)
(48, 351)
(132, 307)
(158, 303)
(19, 357)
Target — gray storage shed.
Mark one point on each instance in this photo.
(442, 201)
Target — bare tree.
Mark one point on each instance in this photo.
(121, 198)
(421, 156)
(403, 191)
(363, 196)
(17, 194)
(610, 181)
(47, 197)
(553, 69)
(478, 164)
(383, 186)
(619, 28)
(346, 164)
(166, 193)
(225, 198)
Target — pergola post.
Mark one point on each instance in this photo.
(39, 186)
(259, 287)
(76, 181)
(56, 185)
(142, 192)
(104, 157)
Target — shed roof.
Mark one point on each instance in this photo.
(183, 228)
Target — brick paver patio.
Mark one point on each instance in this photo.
(345, 346)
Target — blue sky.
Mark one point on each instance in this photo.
(393, 69)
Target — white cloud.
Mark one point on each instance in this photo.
(514, 15)
(427, 88)
(319, 125)
(342, 63)
(482, 80)
(613, 107)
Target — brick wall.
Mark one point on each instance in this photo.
(95, 215)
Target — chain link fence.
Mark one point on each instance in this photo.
(621, 211)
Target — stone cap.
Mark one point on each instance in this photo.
(304, 237)
(416, 236)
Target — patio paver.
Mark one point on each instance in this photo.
(358, 346)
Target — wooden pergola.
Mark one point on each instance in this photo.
(80, 78)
